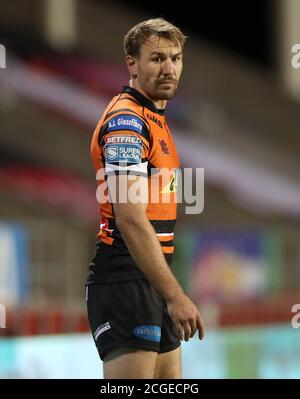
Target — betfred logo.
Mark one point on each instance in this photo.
(123, 139)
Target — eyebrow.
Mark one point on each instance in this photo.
(163, 54)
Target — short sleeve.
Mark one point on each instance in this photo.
(125, 145)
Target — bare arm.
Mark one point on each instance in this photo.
(145, 248)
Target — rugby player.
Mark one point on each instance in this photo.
(137, 310)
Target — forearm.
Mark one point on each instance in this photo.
(145, 248)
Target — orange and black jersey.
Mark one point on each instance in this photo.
(132, 137)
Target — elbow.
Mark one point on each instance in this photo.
(129, 216)
(125, 221)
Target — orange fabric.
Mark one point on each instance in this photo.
(159, 151)
(167, 250)
(165, 238)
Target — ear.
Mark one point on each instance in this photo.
(132, 66)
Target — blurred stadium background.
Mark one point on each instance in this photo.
(237, 115)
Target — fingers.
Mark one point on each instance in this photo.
(200, 327)
(193, 325)
(186, 329)
(179, 331)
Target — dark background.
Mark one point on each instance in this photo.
(243, 27)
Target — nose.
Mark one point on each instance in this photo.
(168, 67)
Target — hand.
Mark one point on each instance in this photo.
(186, 317)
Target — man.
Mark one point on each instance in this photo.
(137, 310)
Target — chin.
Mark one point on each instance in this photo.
(169, 96)
(166, 95)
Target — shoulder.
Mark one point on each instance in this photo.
(125, 104)
(126, 115)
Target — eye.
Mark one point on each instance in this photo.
(157, 59)
(175, 59)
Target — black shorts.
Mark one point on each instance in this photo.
(130, 314)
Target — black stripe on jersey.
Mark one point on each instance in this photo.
(125, 164)
(113, 105)
(151, 136)
(163, 226)
(131, 99)
(106, 116)
(167, 243)
(160, 226)
(121, 110)
(144, 101)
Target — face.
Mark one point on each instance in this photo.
(157, 69)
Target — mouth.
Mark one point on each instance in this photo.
(167, 82)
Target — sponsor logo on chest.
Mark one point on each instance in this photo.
(155, 120)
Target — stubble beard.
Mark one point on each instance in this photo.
(161, 94)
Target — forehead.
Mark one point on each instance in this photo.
(160, 45)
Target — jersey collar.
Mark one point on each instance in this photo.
(144, 101)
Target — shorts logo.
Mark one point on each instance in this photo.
(127, 153)
(112, 153)
(125, 122)
(148, 333)
(103, 327)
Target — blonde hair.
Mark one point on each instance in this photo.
(159, 27)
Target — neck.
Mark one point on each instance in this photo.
(159, 104)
